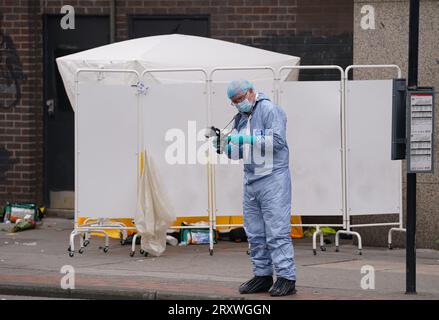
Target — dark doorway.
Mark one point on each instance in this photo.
(145, 26)
(59, 141)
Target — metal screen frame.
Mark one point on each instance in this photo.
(96, 225)
(102, 225)
(349, 226)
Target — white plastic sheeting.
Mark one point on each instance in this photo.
(314, 137)
(154, 215)
(174, 119)
(106, 150)
(374, 180)
(313, 111)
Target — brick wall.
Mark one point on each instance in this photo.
(20, 103)
(319, 31)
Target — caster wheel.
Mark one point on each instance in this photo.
(211, 252)
(360, 253)
(323, 248)
(145, 254)
(142, 252)
(337, 249)
(105, 249)
(69, 249)
(81, 251)
(122, 240)
(248, 252)
(71, 254)
(132, 253)
(314, 251)
(390, 246)
(86, 243)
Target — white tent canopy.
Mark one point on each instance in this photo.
(169, 51)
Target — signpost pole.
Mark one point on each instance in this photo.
(411, 177)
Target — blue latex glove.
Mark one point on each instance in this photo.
(240, 139)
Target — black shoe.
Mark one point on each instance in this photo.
(256, 285)
(283, 287)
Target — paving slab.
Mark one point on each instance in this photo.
(31, 262)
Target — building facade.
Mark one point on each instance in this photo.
(387, 43)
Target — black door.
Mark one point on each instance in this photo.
(145, 26)
(89, 32)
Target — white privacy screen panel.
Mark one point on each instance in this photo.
(107, 142)
(174, 122)
(229, 174)
(374, 180)
(314, 140)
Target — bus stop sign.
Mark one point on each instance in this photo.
(420, 130)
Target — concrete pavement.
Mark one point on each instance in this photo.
(31, 261)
